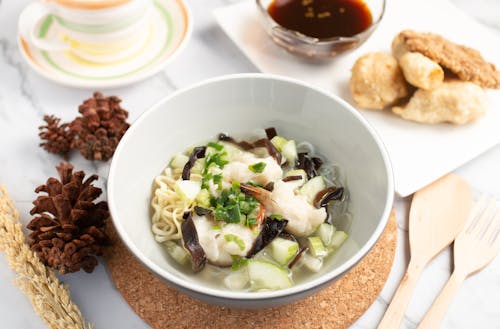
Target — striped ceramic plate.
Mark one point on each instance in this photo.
(169, 31)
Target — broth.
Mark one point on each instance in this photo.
(233, 210)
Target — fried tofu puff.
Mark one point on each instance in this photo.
(421, 71)
(377, 81)
(455, 101)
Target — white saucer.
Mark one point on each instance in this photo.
(170, 29)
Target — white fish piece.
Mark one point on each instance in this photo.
(242, 232)
(214, 243)
(208, 238)
(237, 170)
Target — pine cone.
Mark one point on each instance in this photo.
(57, 138)
(100, 128)
(68, 227)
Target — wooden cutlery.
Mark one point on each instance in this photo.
(438, 212)
(475, 247)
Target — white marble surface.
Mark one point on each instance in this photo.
(25, 98)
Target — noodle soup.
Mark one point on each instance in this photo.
(251, 215)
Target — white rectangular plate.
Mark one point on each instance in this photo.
(419, 153)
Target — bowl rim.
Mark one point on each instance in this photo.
(196, 288)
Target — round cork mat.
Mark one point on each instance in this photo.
(336, 306)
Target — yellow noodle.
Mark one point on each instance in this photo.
(167, 206)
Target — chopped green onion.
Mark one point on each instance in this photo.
(218, 180)
(254, 184)
(245, 206)
(251, 221)
(215, 159)
(218, 159)
(203, 198)
(238, 262)
(236, 239)
(235, 186)
(276, 216)
(229, 214)
(223, 198)
(215, 145)
(216, 227)
(234, 214)
(243, 219)
(257, 167)
(252, 215)
(232, 206)
(205, 180)
(207, 167)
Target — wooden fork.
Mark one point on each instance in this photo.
(475, 247)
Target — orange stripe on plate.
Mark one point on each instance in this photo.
(186, 18)
(28, 53)
(90, 4)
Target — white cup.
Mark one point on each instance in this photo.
(95, 31)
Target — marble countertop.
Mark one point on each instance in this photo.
(25, 97)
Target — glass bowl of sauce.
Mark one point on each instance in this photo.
(320, 28)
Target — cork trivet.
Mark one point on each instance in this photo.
(336, 306)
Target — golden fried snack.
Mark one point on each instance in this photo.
(398, 45)
(377, 81)
(465, 62)
(455, 101)
(420, 71)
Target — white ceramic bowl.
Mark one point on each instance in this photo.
(236, 104)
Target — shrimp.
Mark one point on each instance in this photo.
(303, 218)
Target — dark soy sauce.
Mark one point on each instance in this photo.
(322, 18)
